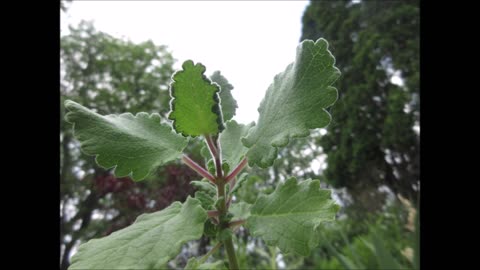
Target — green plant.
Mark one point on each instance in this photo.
(289, 217)
(390, 242)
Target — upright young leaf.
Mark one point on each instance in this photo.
(195, 108)
(227, 102)
(289, 217)
(294, 103)
(206, 200)
(149, 243)
(205, 186)
(136, 145)
(232, 149)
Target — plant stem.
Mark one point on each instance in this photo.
(217, 157)
(236, 223)
(273, 258)
(211, 146)
(232, 258)
(220, 182)
(212, 213)
(197, 168)
(237, 170)
(205, 257)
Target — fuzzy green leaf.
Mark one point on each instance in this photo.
(134, 145)
(195, 105)
(205, 186)
(240, 210)
(227, 102)
(294, 103)
(210, 230)
(207, 200)
(149, 243)
(289, 217)
(232, 149)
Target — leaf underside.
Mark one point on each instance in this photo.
(149, 243)
(134, 145)
(230, 140)
(227, 102)
(294, 103)
(289, 217)
(195, 104)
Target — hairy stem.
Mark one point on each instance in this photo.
(223, 209)
(197, 168)
(211, 146)
(220, 182)
(215, 248)
(212, 213)
(236, 223)
(232, 259)
(273, 258)
(217, 157)
(237, 170)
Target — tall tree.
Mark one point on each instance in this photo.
(371, 141)
(111, 76)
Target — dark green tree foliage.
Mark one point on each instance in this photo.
(371, 141)
(112, 76)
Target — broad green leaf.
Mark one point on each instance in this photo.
(195, 105)
(149, 243)
(240, 210)
(205, 186)
(134, 145)
(196, 264)
(232, 149)
(289, 217)
(294, 103)
(227, 102)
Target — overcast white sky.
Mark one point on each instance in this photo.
(248, 41)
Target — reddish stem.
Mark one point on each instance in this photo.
(215, 220)
(237, 170)
(216, 153)
(211, 145)
(212, 213)
(236, 223)
(197, 168)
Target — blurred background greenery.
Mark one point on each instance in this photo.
(371, 146)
